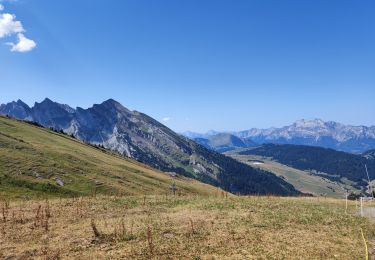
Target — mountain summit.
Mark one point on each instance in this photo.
(141, 137)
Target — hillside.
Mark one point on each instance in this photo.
(328, 163)
(303, 180)
(140, 137)
(33, 160)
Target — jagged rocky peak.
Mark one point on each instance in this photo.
(45, 103)
(21, 103)
(18, 109)
(110, 102)
(49, 104)
(309, 123)
(113, 105)
(18, 103)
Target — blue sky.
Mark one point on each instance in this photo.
(202, 64)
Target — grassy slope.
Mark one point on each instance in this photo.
(31, 158)
(187, 227)
(301, 180)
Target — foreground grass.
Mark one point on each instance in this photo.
(186, 227)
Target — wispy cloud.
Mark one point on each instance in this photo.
(166, 119)
(9, 26)
(23, 45)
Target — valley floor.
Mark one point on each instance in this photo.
(186, 227)
(303, 181)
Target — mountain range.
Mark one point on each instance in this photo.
(140, 137)
(316, 132)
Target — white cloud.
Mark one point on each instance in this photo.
(10, 26)
(166, 119)
(23, 45)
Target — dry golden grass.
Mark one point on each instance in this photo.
(186, 227)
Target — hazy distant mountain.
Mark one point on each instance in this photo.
(354, 139)
(139, 136)
(194, 135)
(224, 142)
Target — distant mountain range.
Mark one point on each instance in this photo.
(353, 139)
(140, 137)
